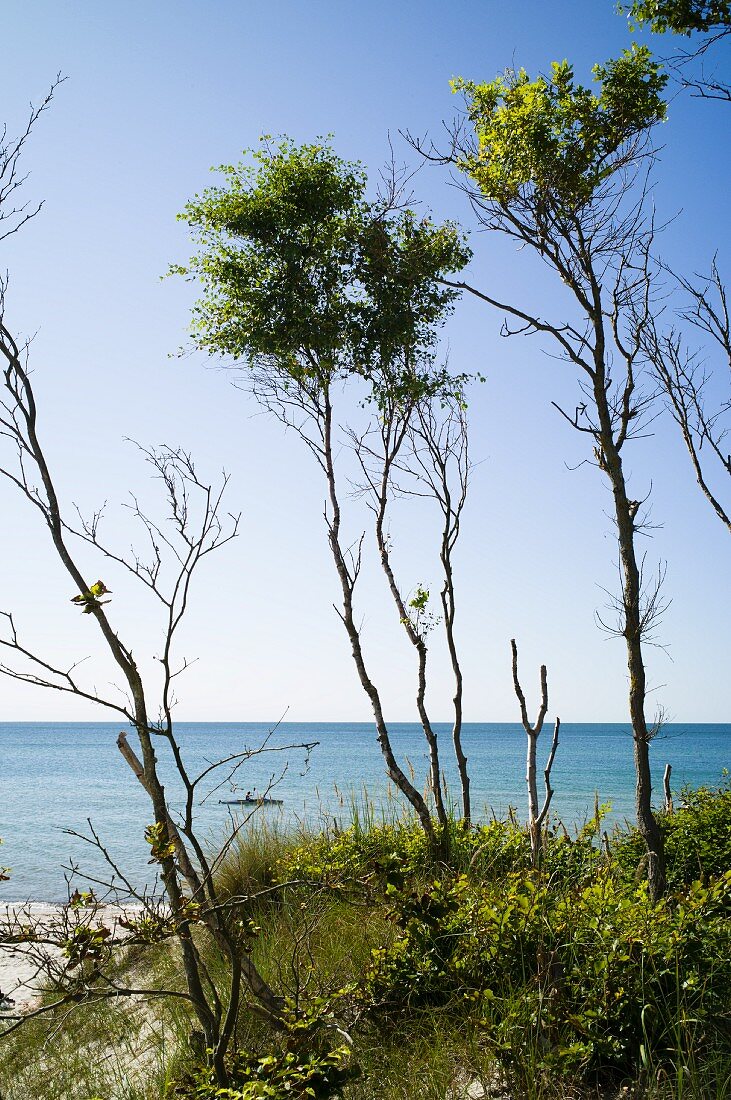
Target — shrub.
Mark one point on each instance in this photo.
(305, 1065)
(598, 978)
(697, 838)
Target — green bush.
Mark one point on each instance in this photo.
(596, 978)
(305, 1065)
(399, 852)
(697, 838)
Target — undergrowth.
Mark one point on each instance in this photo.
(409, 977)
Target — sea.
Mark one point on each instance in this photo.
(62, 784)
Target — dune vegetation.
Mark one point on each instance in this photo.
(405, 976)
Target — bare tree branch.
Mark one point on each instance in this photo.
(536, 816)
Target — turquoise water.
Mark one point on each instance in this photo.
(54, 776)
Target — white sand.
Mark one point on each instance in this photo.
(20, 981)
(18, 974)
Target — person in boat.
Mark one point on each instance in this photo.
(248, 796)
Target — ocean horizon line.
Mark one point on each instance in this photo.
(567, 723)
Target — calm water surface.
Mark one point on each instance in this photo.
(55, 776)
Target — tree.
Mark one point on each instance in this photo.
(194, 527)
(421, 450)
(560, 169)
(681, 370)
(188, 872)
(681, 16)
(317, 289)
(687, 18)
(440, 465)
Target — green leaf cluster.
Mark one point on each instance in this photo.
(554, 139)
(680, 16)
(161, 847)
(420, 598)
(305, 1066)
(87, 943)
(301, 270)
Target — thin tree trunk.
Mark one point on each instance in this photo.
(395, 773)
(435, 772)
(448, 606)
(126, 663)
(611, 462)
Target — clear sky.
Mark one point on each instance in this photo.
(155, 95)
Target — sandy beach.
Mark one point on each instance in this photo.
(20, 980)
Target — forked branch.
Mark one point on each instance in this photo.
(536, 816)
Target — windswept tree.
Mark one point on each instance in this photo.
(194, 527)
(438, 468)
(420, 449)
(695, 379)
(318, 291)
(560, 169)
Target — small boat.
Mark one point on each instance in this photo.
(251, 801)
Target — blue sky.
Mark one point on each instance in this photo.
(154, 96)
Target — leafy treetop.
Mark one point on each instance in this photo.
(554, 138)
(301, 270)
(680, 16)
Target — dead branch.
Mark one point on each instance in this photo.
(666, 789)
(536, 817)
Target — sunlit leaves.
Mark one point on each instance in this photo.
(161, 847)
(680, 16)
(553, 138)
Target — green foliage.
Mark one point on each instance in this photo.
(680, 16)
(87, 943)
(355, 854)
(420, 599)
(602, 978)
(161, 847)
(398, 852)
(305, 1065)
(395, 853)
(420, 618)
(301, 270)
(553, 138)
(567, 977)
(90, 599)
(697, 838)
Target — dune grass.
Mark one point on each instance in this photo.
(111, 1050)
